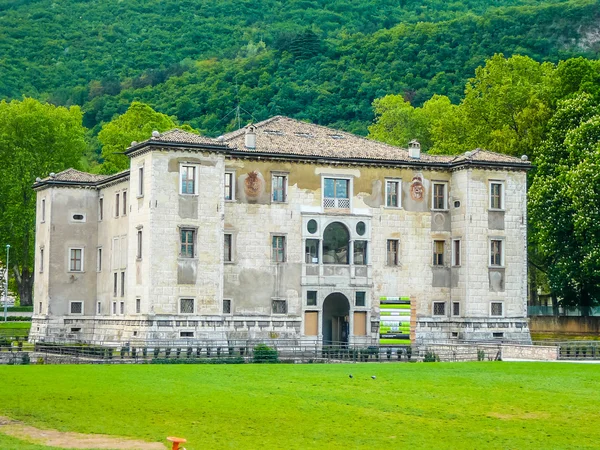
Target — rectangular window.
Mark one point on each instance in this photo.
(117, 205)
(392, 193)
(279, 306)
(279, 187)
(312, 251)
(40, 308)
(186, 305)
(496, 195)
(455, 308)
(226, 306)
(228, 248)
(99, 260)
(114, 308)
(439, 200)
(456, 252)
(336, 193)
(124, 203)
(360, 299)
(140, 182)
(76, 308)
(187, 243)
(139, 244)
(116, 253)
(311, 298)
(438, 253)
(392, 252)
(41, 259)
(278, 247)
(188, 180)
(115, 283)
(43, 210)
(121, 308)
(496, 309)
(100, 209)
(439, 308)
(496, 253)
(186, 334)
(138, 305)
(76, 260)
(122, 284)
(99, 308)
(360, 253)
(229, 186)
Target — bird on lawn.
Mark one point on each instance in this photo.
(373, 376)
(350, 376)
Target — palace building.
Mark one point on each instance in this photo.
(284, 230)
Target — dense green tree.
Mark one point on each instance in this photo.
(563, 203)
(397, 122)
(507, 104)
(136, 124)
(35, 139)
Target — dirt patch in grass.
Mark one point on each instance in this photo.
(523, 416)
(54, 438)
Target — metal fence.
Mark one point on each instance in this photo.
(537, 310)
(575, 350)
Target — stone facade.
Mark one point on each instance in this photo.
(268, 242)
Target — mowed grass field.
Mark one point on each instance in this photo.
(495, 405)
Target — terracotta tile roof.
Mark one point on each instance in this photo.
(185, 137)
(283, 135)
(76, 176)
(487, 156)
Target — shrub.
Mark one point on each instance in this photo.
(431, 357)
(235, 360)
(265, 354)
(480, 355)
(25, 359)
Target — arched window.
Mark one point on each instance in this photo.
(336, 244)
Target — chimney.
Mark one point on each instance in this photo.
(251, 136)
(414, 149)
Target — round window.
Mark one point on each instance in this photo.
(311, 226)
(361, 228)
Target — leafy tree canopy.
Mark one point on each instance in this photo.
(136, 124)
(35, 139)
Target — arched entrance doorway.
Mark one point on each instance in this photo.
(336, 313)
(336, 244)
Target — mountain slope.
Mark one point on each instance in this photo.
(337, 84)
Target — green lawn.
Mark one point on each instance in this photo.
(19, 325)
(492, 405)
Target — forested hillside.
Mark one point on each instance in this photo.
(318, 60)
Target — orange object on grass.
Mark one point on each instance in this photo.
(176, 441)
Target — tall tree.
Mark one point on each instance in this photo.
(35, 139)
(397, 122)
(136, 124)
(563, 206)
(507, 104)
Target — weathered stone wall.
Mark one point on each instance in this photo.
(533, 352)
(564, 325)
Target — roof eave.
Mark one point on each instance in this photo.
(154, 143)
(52, 182)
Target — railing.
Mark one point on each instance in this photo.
(575, 350)
(341, 203)
(535, 310)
